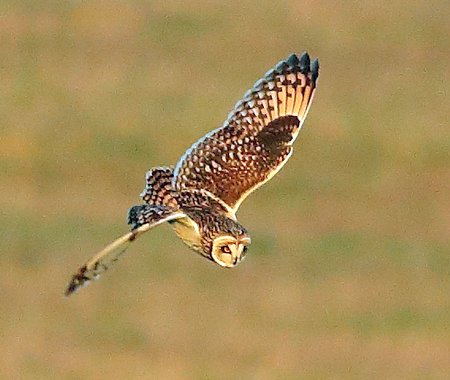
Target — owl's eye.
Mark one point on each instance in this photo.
(225, 249)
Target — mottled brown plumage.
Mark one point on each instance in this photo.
(201, 194)
(158, 187)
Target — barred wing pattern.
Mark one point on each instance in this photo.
(142, 218)
(158, 187)
(256, 139)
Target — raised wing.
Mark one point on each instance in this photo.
(142, 218)
(256, 140)
(158, 187)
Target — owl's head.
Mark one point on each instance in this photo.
(229, 250)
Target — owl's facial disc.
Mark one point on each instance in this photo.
(227, 251)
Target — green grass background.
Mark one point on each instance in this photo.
(348, 276)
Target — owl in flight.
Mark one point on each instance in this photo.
(200, 196)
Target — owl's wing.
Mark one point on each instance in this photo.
(158, 187)
(142, 218)
(256, 140)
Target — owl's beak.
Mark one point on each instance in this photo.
(236, 252)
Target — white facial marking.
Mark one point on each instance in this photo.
(228, 251)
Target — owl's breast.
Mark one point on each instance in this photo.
(188, 231)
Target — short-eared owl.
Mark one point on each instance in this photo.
(199, 197)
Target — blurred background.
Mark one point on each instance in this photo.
(348, 275)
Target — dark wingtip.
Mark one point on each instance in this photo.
(281, 67)
(72, 287)
(133, 214)
(315, 69)
(305, 62)
(293, 60)
(77, 281)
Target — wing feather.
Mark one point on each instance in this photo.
(143, 218)
(256, 139)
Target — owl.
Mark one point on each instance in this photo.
(200, 195)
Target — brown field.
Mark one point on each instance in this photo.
(348, 276)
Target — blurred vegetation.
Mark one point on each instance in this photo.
(348, 275)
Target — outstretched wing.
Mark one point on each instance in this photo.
(142, 218)
(256, 139)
